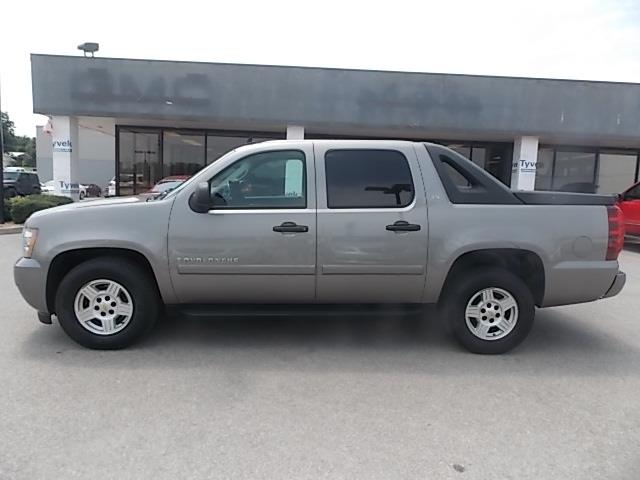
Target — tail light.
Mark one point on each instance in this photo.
(616, 232)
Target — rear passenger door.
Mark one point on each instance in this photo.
(372, 223)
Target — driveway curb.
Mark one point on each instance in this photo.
(11, 229)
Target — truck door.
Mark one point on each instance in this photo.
(257, 244)
(372, 223)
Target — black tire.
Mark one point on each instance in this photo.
(464, 286)
(144, 296)
(10, 192)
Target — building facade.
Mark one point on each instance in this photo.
(141, 120)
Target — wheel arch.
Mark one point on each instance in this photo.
(525, 264)
(63, 262)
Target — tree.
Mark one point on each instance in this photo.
(18, 143)
(8, 130)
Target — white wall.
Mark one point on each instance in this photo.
(96, 153)
(44, 155)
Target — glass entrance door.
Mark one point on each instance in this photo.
(140, 165)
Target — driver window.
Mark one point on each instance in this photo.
(263, 180)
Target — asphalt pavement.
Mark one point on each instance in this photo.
(314, 398)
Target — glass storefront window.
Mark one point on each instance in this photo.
(478, 156)
(544, 169)
(183, 152)
(574, 172)
(616, 172)
(498, 162)
(494, 158)
(218, 145)
(463, 150)
(140, 167)
(147, 155)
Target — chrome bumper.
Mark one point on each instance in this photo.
(616, 286)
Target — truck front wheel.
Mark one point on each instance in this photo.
(106, 303)
(489, 310)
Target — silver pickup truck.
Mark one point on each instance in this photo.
(323, 223)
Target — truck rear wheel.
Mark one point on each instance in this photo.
(489, 310)
(106, 303)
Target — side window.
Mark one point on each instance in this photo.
(368, 179)
(263, 180)
(456, 177)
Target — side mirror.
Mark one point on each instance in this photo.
(200, 200)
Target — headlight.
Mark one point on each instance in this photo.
(29, 236)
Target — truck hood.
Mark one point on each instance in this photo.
(102, 202)
(83, 206)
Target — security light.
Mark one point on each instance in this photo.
(89, 48)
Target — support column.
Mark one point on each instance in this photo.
(64, 138)
(295, 132)
(525, 158)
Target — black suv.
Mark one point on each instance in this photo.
(20, 183)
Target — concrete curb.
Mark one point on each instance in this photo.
(11, 229)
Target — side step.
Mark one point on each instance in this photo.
(270, 310)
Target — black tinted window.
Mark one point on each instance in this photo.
(368, 179)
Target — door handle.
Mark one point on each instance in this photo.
(290, 227)
(402, 226)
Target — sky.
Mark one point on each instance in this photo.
(575, 39)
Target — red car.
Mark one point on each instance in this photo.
(630, 204)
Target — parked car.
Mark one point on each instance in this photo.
(48, 188)
(169, 183)
(20, 182)
(630, 204)
(93, 190)
(320, 223)
(110, 189)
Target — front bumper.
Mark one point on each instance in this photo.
(31, 280)
(618, 282)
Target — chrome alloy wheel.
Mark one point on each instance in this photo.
(103, 307)
(491, 314)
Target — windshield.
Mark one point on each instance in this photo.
(11, 176)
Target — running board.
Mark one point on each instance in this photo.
(270, 310)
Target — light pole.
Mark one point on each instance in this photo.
(1, 161)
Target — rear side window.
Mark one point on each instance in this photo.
(368, 179)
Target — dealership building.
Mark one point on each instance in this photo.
(139, 121)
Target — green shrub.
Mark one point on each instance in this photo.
(7, 210)
(22, 207)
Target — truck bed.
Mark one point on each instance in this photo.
(564, 198)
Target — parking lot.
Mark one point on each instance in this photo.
(308, 398)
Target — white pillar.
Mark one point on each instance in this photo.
(64, 138)
(525, 158)
(295, 132)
